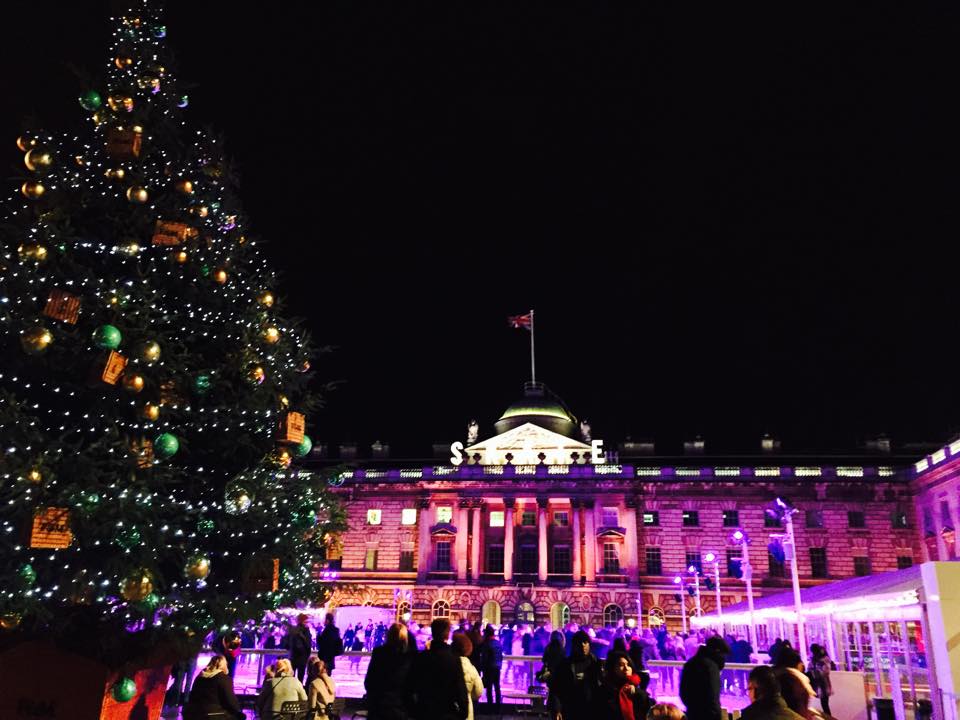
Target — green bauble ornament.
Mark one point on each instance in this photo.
(127, 538)
(201, 384)
(205, 526)
(27, 574)
(304, 448)
(124, 690)
(337, 480)
(273, 600)
(159, 31)
(165, 445)
(304, 518)
(149, 604)
(107, 337)
(88, 500)
(91, 100)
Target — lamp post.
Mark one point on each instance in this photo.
(715, 559)
(695, 571)
(788, 512)
(746, 569)
(678, 580)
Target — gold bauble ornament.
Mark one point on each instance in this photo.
(133, 383)
(32, 189)
(32, 251)
(181, 256)
(282, 458)
(122, 61)
(284, 401)
(271, 335)
(36, 340)
(150, 412)
(201, 211)
(266, 298)
(131, 248)
(136, 586)
(38, 158)
(198, 567)
(9, 621)
(220, 275)
(115, 174)
(117, 102)
(256, 374)
(184, 186)
(150, 351)
(24, 142)
(35, 476)
(137, 194)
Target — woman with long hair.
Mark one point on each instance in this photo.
(462, 648)
(212, 693)
(321, 689)
(283, 687)
(387, 673)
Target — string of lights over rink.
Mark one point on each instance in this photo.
(206, 367)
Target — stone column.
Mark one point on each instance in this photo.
(424, 555)
(460, 544)
(508, 504)
(590, 540)
(631, 543)
(542, 568)
(477, 535)
(576, 550)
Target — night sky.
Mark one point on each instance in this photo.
(728, 224)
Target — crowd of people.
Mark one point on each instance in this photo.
(439, 672)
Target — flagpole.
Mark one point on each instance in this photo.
(533, 362)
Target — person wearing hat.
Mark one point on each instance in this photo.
(299, 642)
(700, 680)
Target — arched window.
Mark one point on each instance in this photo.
(559, 615)
(490, 614)
(403, 611)
(656, 617)
(526, 613)
(612, 614)
(441, 609)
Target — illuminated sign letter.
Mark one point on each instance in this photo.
(596, 452)
(456, 456)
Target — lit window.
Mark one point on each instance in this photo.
(374, 517)
(444, 514)
(651, 518)
(370, 560)
(408, 516)
(496, 518)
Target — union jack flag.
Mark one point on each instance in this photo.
(520, 321)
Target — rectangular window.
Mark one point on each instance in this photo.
(651, 518)
(775, 567)
(734, 562)
(945, 517)
(494, 558)
(561, 559)
(611, 559)
(370, 561)
(443, 556)
(856, 519)
(529, 559)
(694, 561)
(374, 517)
(818, 562)
(561, 518)
(814, 518)
(731, 518)
(900, 520)
(496, 518)
(406, 561)
(654, 561)
(691, 518)
(904, 561)
(771, 521)
(928, 521)
(610, 517)
(528, 518)
(861, 566)
(444, 514)
(408, 516)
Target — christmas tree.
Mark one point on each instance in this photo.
(152, 395)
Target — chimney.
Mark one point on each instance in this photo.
(769, 444)
(693, 447)
(348, 451)
(633, 448)
(379, 451)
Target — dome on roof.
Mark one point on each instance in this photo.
(540, 407)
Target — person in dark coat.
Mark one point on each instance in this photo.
(212, 693)
(576, 682)
(700, 680)
(491, 660)
(636, 662)
(766, 702)
(387, 676)
(299, 642)
(436, 679)
(552, 657)
(329, 643)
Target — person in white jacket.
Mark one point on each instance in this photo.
(462, 648)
